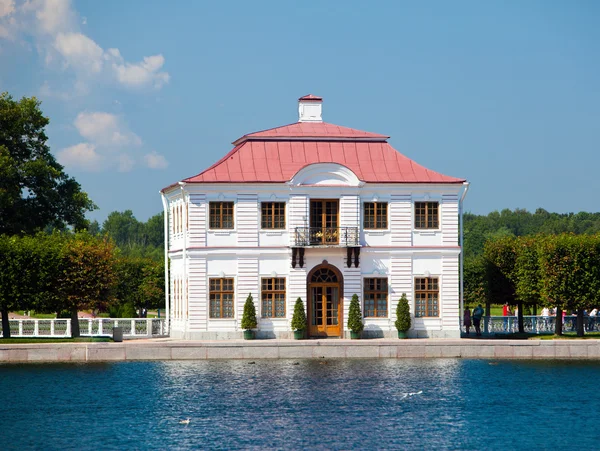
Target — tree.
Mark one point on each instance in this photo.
(355, 320)
(299, 316)
(35, 192)
(403, 320)
(87, 277)
(500, 256)
(569, 268)
(139, 283)
(249, 320)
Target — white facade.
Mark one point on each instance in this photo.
(399, 252)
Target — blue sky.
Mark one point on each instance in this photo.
(142, 94)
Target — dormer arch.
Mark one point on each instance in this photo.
(325, 174)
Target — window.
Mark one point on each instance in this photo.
(273, 297)
(273, 215)
(221, 215)
(376, 297)
(221, 298)
(427, 215)
(426, 296)
(375, 216)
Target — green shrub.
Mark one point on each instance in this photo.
(299, 317)
(355, 320)
(403, 321)
(249, 320)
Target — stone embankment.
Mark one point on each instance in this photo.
(168, 349)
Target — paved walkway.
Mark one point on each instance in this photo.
(170, 349)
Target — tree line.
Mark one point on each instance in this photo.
(560, 271)
(69, 272)
(52, 259)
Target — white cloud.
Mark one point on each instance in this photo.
(56, 31)
(81, 156)
(125, 162)
(79, 51)
(155, 161)
(53, 15)
(7, 7)
(145, 73)
(105, 129)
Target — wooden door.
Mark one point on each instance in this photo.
(324, 310)
(324, 221)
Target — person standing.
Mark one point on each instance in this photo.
(506, 313)
(467, 319)
(477, 314)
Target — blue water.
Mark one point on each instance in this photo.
(294, 404)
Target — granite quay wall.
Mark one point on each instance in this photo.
(167, 349)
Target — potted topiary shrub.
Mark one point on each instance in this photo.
(403, 320)
(355, 320)
(299, 319)
(249, 320)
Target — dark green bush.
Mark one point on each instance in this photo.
(249, 320)
(355, 320)
(299, 317)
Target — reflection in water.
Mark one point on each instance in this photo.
(319, 403)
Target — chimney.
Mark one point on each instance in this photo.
(309, 108)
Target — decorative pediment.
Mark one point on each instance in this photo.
(327, 174)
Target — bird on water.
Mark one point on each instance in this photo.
(186, 421)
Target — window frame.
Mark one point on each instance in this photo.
(375, 299)
(426, 292)
(220, 213)
(272, 215)
(220, 293)
(272, 293)
(376, 215)
(426, 216)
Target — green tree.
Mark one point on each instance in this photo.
(500, 256)
(249, 320)
(87, 276)
(569, 268)
(403, 320)
(299, 316)
(35, 192)
(355, 320)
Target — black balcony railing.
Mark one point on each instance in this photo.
(327, 236)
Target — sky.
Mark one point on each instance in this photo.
(142, 94)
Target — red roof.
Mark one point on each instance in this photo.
(267, 161)
(310, 97)
(312, 130)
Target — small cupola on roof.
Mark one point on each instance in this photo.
(309, 108)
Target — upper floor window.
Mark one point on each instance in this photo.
(273, 297)
(221, 215)
(376, 297)
(427, 295)
(273, 215)
(221, 298)
(375, 215)
(427, 215)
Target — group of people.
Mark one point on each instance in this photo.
(476, 317)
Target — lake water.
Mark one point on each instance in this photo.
(294, 404)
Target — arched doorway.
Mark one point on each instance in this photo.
(325, 306)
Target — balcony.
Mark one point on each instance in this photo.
(327, 237)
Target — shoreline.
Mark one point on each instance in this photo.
(171, 349)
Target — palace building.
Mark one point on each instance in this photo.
(320, 212)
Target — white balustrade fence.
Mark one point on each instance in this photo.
(533, 324)
(88, 327)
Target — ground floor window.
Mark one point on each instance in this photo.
(273, 297)
(427, 296)
(376, 297)
(221, 298)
